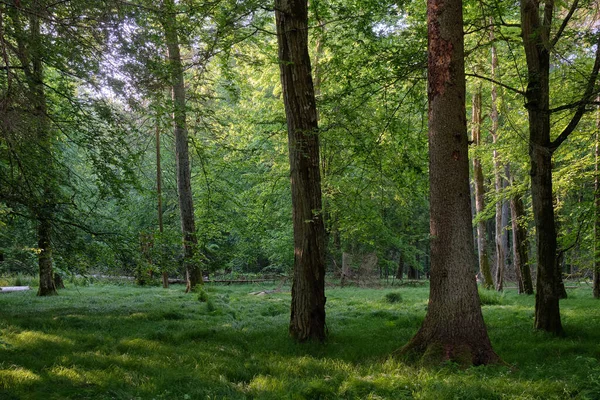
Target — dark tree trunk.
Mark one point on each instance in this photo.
(413, 273)
(453, 328)
(46, 287)
(520, 245)
(184, 187)
(307, 320)
(400, 270)
(535, 34)
(484, 261)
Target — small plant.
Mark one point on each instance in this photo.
(210, 306)
(393, 297)
(202, 295)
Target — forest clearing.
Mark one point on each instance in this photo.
(104, 341)
(299, 199)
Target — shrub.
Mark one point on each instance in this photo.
(393, 297)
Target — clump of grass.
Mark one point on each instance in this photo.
(210, 305)
(490, 298)
(201, 294)
(393, 297)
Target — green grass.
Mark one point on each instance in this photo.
(125, 342)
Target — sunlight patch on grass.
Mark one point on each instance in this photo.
(36, 338)
(17, 376)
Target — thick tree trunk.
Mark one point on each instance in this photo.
(184, 187)
(453, 328)
(520, 245)
(484, 261)
(535, 36)
(307, 321)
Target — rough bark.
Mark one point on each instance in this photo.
(535, 34)
(184, 187)
(484, 261)
(453, 328)
(307, 320)
(520, 245)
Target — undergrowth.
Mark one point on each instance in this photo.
(126, 342)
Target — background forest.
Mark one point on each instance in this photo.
(88, 167)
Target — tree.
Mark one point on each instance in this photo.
(484, 261)
(184, 186)
(538, 43)
(453, 328)
(308, 288)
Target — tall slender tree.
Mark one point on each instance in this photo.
(453, 328)
(184, 187)
(484, 261)
(308, 288)
(539, 43)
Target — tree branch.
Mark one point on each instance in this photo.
(585, 100)
(564, 24)
(485, 78)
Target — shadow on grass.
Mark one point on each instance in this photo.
(147, 343)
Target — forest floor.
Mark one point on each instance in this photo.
(126, 342)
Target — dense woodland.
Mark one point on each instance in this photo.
(357, 139)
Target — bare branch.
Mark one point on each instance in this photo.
(485, 78)
(564, 24)
(585, 100)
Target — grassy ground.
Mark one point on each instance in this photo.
(125, 342)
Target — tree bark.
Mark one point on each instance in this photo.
(453, 328)
(307, 320)
(535, 35)
(520, 244)
(184, 187)
(164, 275)
(500, 255)
(484, 261)
(44, 230)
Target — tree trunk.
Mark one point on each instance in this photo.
(535, 36)
(520, 245)
(46, 287)
(184, 187)
(165, 275)
(484, 261)
(500, 256)
(44, 206)
(453, 328)
(307, 321)
(596, 272)
(400, 270)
